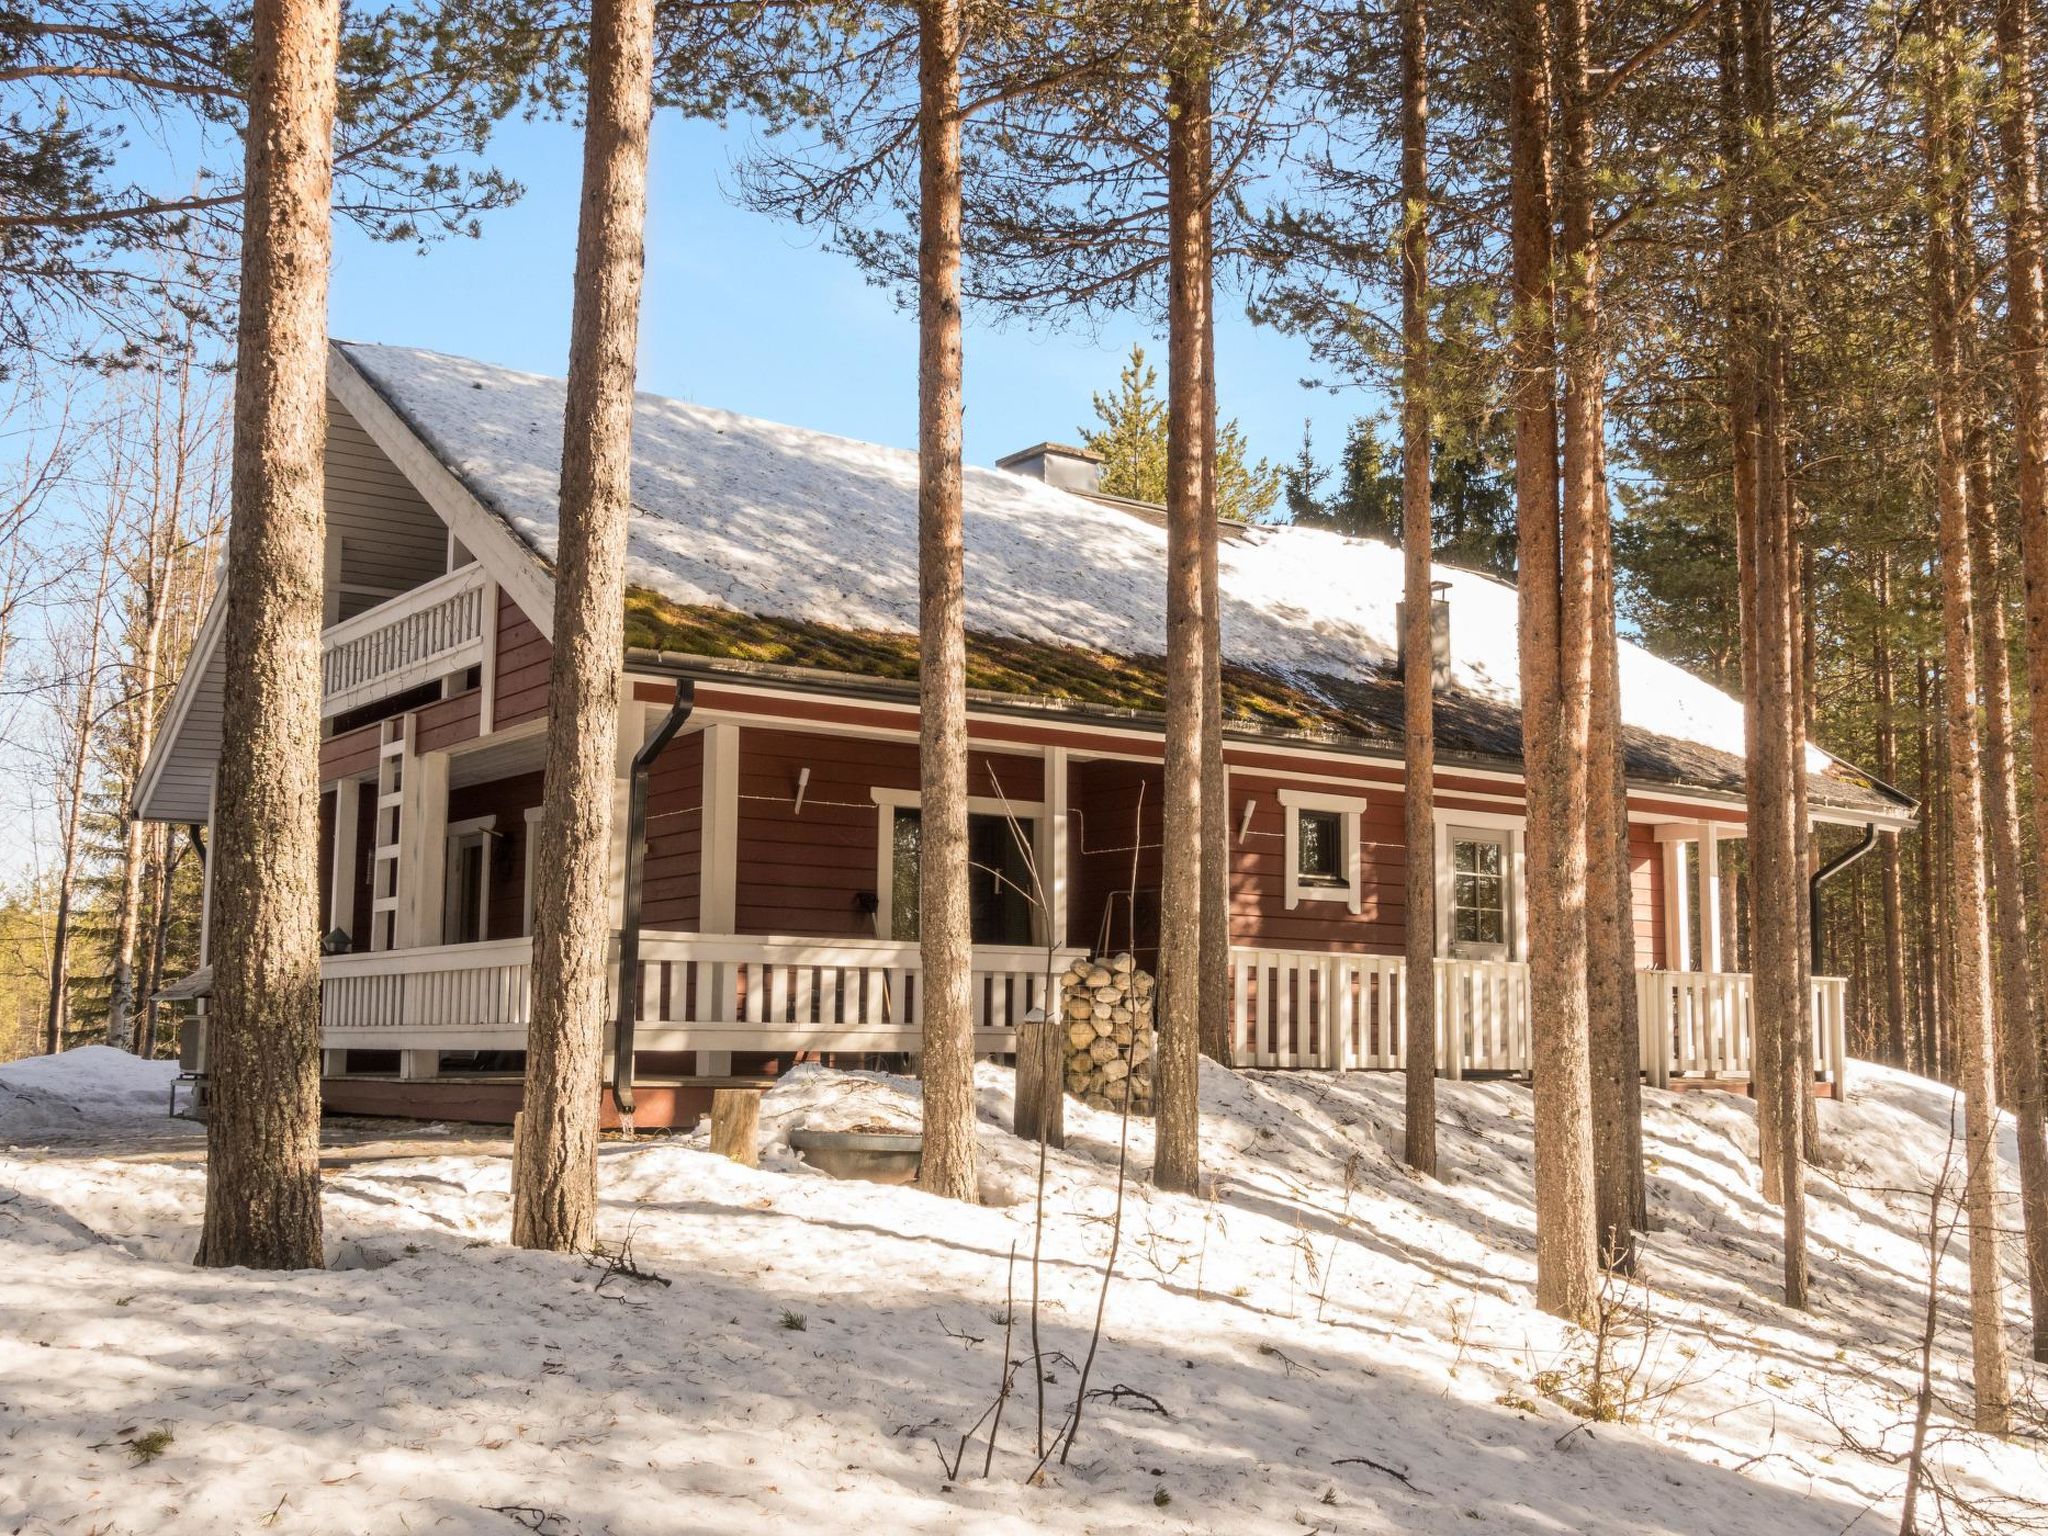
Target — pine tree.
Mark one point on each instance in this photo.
(945, 937)
(1177, 1158)
(1417, 642)
(263, 1028)
(1555, 598)
(555, 1187)
(2027, 328)
(1970, 1002)
(1131, 439)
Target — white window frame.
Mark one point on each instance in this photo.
(532, 838)
(1347, 807)
(889, 801)
(460, 832)
(1515, 828)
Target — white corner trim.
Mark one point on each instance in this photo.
(1292, 803)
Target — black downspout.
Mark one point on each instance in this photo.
(629, 915)
(1834, 866)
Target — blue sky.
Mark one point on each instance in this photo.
(754, 315)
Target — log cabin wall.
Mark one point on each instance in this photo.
(1108, 824)
(522, 667)
(807, 873)
(672, 890)
(1646, 887)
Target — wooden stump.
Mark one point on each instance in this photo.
(736, 1124)
(1041, 1082)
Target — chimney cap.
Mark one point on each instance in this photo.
(1049, 450)
(1061, 465)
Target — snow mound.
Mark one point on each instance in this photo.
(93, 1087)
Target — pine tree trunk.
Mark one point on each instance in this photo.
(163, 872)
(1417, 640)
(2018, 1037)
(1926, 936)
(1613, 1044)
(263, 1021)
(1554, 581)
(555, 1159)
(1890, 882)
(1214, 990)
(945, 931)
(2027, 326)
(142, 714)
(1970, 1001)
(1177, 1162)
(1775, 756)
(1740, 297)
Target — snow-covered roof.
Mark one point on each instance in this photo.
(764, 519)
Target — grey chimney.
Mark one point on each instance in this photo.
(1059, 465)
(1439, 636)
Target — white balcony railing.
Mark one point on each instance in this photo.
(433, 630)
(1291, 1009)
(697, 993)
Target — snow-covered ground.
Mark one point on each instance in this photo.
(1329, 1344)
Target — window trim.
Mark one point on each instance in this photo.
(889, 801)
(1513, 827)
(1351, 891)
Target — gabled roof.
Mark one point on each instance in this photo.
(756, 541)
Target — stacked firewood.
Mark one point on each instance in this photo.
(1107, 1006)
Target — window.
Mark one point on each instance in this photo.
(466, 908)
(999, 885)
(1319, 848)
(1479, 893)
(998, 876)
(1322, 848)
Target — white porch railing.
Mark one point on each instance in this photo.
(697, 992)
(1338, 1011)
(1289, 1008)
(433, 630)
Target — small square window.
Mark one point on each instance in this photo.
(1319, 858)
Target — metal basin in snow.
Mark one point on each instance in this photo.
(865, 1155)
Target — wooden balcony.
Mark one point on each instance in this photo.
(427, 633)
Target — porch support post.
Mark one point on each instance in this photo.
(1711, 957)
(718, 866)
(718, 873)
(1677, 922)
(632, 732)
(423, 844)
(341, 888)
(206, 878)
(1052, 845)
